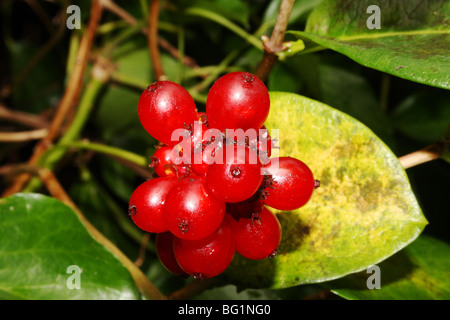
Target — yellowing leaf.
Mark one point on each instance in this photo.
(363, 212)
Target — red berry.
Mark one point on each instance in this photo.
(238, 178)
(262, 144)
(164, 107)
(201, 167)
(147, 201)
(292, 184)
(164, 251)
(206, 257)
(245, 209)
(162, 162)
(258, 236)
(237, 100)
(190, 212)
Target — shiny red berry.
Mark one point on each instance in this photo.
(190, 212)
(238, 178)
(212, 150)
(162, 162)
(258, 236)
(164, 251)
(206, 257)
(291, 186)
(147, 201)
(245, 209)
(164, 107)
(262, 144)
(237, 100)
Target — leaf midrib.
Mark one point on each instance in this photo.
(367, 36)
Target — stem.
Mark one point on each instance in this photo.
(127, 80)
(69, 99)
(24, 118)
(91, 92)
(74, 46)
(218, 70)
(125, 16)
(142, 249)
(93, 89)
(180, 74)
(226, 23)
(124, 35)
(275, 43)
(101, 148)
(23, 135)
(153, 40)
(427, 154)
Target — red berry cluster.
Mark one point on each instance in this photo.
(209, 198)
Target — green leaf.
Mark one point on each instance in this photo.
(421, 271)
(363, 212)
(40, 237)
(412, 43)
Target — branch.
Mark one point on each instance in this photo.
(152, 37)
(275, 43)
(142, 249)
(213, 16)
(427, 154)
(22, 135)
(70, 97)
(27, 119)
(125, 16)
(105, 149)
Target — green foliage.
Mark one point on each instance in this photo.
(347, 100)
(412, 42)
(419, 272)
(40, 239)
